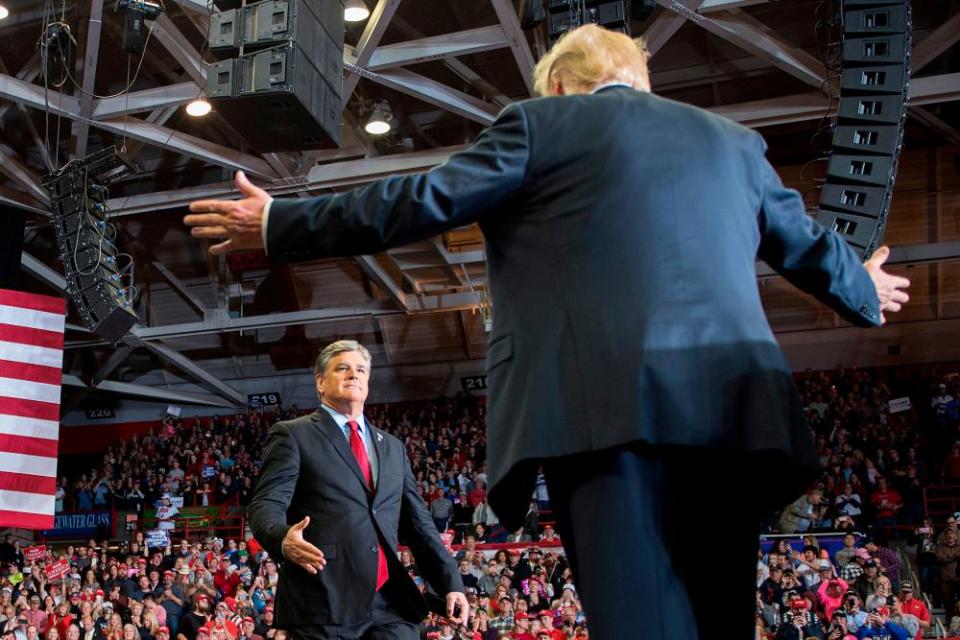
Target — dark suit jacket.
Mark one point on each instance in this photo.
(309, 470)
(621, 234)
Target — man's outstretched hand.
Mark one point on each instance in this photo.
(301, 552)
(235, 222)
(891, 289)
(458, 609)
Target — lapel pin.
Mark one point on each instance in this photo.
(379, 437)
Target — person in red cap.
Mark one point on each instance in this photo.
(521, 627)
(248, 629)
(191, 623)
(349, 492)
(546, 618)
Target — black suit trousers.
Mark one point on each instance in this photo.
(662, 543)
(382, 623)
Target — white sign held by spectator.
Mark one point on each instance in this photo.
(898, 405)
(157, 539)
(173, 411)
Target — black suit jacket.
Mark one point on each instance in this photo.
(621, 234)
(309, 470)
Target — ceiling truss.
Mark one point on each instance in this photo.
(143, 117)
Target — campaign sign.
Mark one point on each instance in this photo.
(56, 570)
(898, 405)
(157, 538)
(35, 552)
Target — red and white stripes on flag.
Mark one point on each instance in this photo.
(31, 359)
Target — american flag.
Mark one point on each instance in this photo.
(31, 358)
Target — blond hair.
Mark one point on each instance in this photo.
(589, 56)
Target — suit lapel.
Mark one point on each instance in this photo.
(328, 427)
(377, 439)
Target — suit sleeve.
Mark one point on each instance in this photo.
(419, 533)
(809, 256)
(401, 209)
(275, 488)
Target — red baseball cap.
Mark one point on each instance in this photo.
(165, 630)
(248, 619)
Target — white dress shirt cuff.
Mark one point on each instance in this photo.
(263, 223)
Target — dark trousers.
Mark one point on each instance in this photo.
(662, 544)
(382, 623)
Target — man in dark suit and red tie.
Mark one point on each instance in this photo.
(630, 356)
(335, 497)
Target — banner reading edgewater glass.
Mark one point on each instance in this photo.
(31, 360)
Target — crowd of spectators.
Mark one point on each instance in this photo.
(216, 590)
(883, 436)
(878, 452)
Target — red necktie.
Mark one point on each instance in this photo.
(360, 452)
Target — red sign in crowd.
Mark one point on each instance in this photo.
(35, 552)
(56, 570)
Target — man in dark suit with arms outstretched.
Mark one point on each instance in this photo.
(630, 356)
(335, 497)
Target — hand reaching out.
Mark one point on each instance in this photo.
(457, 600)
(891, 289)
(301, 552)
(236, 222)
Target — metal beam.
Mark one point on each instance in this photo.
(931, 47)
(16, 169)
(761, 113)
(666, 26)
(28, 122)
(370, 266)
(324, 176)
(42, 272)
(170, 395)
(440, 47)
(68, 106)
(751, 35)
(34, 96)
(721, 5)
(466, 73)
(188, 366)
(180, 288)
(113, 361)
(908, 254)
(149, 393)
(811, 106)
(219, 321)
(27, 73)
(146, 100)
(372, 33)
(180, 48)
(84, 92)
(21, 200)
(432, 92)
(510, 21)
(933, 122)
(187, 145)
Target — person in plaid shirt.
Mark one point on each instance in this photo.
(503, 623)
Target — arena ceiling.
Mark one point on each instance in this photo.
(446, 68)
